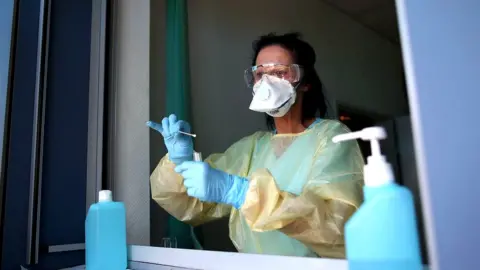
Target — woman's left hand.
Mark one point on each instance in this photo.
(212, 185)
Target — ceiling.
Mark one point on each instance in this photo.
(378, 15)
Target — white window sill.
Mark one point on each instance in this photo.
(157, 258)
(214, 260)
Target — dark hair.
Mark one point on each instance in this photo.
(304, 55)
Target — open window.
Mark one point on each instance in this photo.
(359, 60)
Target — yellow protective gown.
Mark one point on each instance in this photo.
(303, 188)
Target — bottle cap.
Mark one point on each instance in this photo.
(105, 196)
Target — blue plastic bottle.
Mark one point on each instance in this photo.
(382, 234)
(106, 234)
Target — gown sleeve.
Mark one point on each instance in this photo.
(169, 192)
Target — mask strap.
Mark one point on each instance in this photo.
(296, 86)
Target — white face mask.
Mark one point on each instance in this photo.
(273, 96)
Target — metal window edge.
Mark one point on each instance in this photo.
(35, 192)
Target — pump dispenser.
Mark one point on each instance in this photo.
(377, 171)
(382, 233)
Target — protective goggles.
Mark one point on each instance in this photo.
(291, 73)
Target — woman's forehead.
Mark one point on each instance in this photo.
(274, 54)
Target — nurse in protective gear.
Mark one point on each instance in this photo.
(288, 191)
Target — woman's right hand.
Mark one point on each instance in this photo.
(179, 146)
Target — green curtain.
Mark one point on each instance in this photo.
(178, 96)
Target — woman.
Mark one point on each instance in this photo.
(288, 191)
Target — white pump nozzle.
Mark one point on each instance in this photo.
(372, 134)
(377, 170)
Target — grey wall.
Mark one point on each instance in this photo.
(131, 161)
(358, 67)
(442, 67)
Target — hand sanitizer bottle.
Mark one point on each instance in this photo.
(106, 234)
(382, 233)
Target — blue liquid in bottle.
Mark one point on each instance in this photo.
(382, 234)
(106, 234)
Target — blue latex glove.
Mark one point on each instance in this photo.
(179, 146)
(211, 185)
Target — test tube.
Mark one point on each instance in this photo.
(197, 156)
